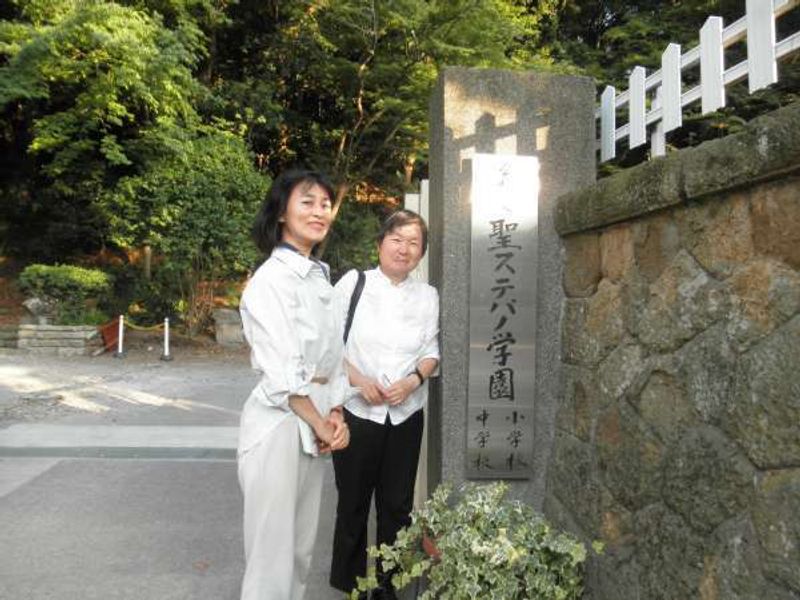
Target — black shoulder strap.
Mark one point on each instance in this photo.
(353, 303)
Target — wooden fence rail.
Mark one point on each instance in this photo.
(665, 86)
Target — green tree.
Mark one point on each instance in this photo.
(89, 91)
(99, 100)
(345, 84)
(195, 209)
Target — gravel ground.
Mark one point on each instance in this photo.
(204, 384)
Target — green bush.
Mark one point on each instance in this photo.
(160, 296)
(72, 291)
(64, 282)
(195, 209)
(82, 316)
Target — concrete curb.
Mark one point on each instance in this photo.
(119, 441)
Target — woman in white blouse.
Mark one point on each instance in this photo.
(289, 417)
(391, 350)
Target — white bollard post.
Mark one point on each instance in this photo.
(120, 334)
(166, 355)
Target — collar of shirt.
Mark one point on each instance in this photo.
(385, 280)
(297, 262)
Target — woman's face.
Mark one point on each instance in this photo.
(400, 250)
(307, 218)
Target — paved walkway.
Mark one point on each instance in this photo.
(118, 480)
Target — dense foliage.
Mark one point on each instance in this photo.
(90, 94)
(106, 147)
(194, 208)
(159, 122)
(357, 222)
(61, 281)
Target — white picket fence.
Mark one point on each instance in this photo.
(668, 97)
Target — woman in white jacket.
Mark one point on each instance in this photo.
(291, 415)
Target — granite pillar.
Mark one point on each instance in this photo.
(504, 112)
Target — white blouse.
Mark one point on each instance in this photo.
(394, 328)
(295, 337)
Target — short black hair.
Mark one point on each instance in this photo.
(267, 227)
(401, 218)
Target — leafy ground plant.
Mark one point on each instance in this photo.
(487, 547)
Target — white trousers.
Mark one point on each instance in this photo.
(282, 488)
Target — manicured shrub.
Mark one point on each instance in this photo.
(74, 292)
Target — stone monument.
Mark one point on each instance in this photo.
(481, 111)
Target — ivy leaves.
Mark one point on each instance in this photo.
(489, 547)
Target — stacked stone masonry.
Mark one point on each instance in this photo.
(8, 336)
(678, 437)
(58, 340)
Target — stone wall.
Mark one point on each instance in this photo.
(58, 340)
(9, 336)
(678, 437)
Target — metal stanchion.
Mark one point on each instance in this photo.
(166, 355)
(120, 332)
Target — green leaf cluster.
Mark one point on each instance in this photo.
(133, 122)
(344, 84)
(94, 84)
(106, 147)
(194, 208)
(353, 239)
(196, 203)
(70, 289)
(490, 547)
(64, 281)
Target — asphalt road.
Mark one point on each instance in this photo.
(118, 479)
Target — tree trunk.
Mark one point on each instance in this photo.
(408, 170)
(148, 261)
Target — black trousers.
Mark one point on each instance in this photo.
(380, 459)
